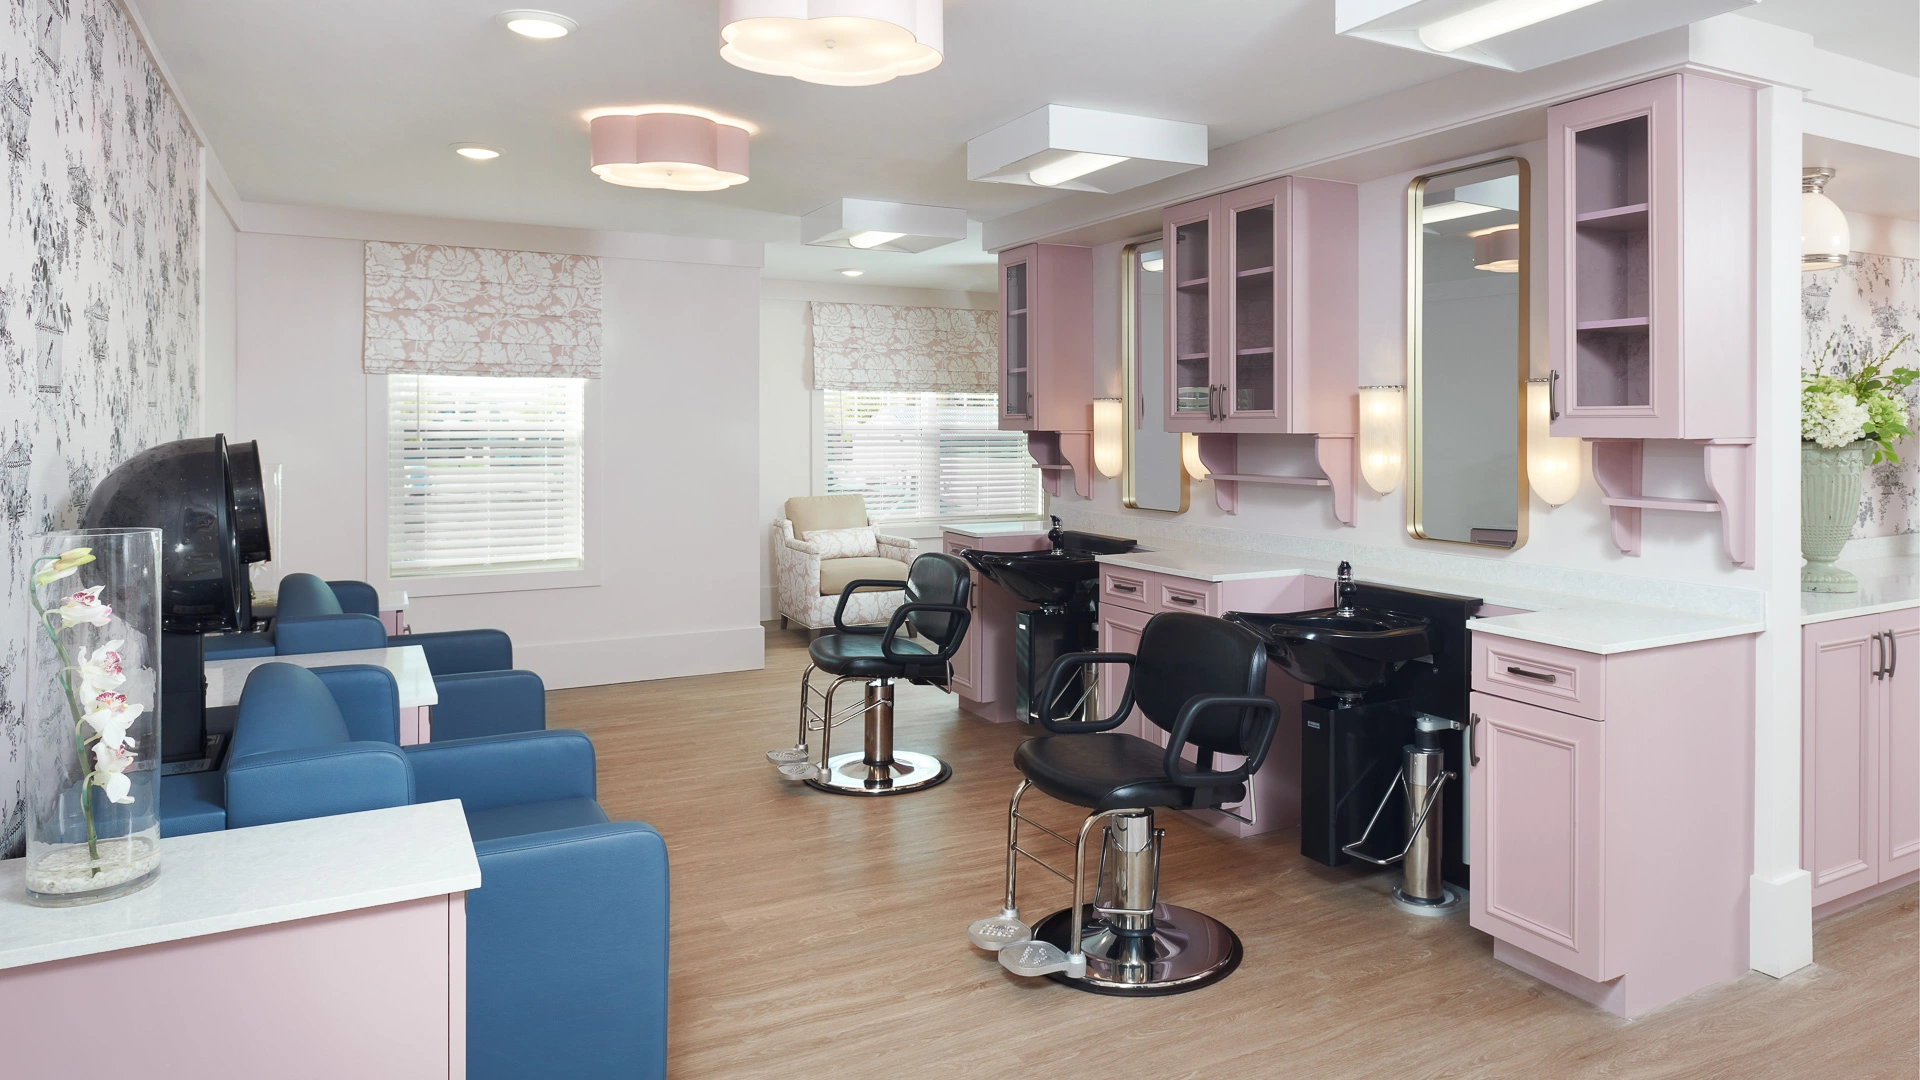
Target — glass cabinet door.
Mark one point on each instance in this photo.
(1189, 329)
(1016, 391)
(1253, 387)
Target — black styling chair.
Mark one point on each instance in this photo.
(936, 610)
(1203, 681)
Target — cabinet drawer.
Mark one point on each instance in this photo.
(1180, 594)
(1127, 588)
(1572, 682)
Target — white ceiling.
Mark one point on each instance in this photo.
(352, 103)
(1882, 32)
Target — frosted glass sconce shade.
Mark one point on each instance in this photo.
(1383, 437)
(1553, 465)
(1824, 236)
(670, 150)
(1109, 453)
(1190, 455)
(833, 42)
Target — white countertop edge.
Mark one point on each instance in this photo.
(980, 530)
(1499, 628)
(439, 821)
(1133, 561)
(1864, 609)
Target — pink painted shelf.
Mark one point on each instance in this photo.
(1649, 502)
(1616, 217)
(1618, 467)
(1254, 478)
(1193, 283)
(1335, 454)
(1255, 272)
(1638, 322)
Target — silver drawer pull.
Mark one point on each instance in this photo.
(1117, 587)
(1534, 675)
(1187, 600)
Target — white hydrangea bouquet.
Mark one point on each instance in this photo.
(1864, 401)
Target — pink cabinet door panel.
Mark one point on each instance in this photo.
(1125, 588)
(1120, 630)
(1254, 223)
(1538, 843)
(1900, 747)
(1544, 675)
(1840, 806)
(1018, 313)
(1192, 322)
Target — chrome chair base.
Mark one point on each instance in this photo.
(850, 774)
(1186, 951)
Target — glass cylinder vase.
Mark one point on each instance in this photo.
(92, 714)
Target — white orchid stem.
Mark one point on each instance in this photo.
(73, 706)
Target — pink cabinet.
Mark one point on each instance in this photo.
(1860, 753)
(983, 670)
(1538, 828)
(1263, 308)
(1611, 815)
(1650, 231)
(1046, 338)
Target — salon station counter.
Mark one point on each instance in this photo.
(254, 950)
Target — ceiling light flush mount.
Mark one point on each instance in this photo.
(1825, 238)
(1517, 35)
(833, 42)
(851, 272)
(675, 151)
(1497, 249)
(872, 225)
(543, 25)
(475, 151)
(1072, 149)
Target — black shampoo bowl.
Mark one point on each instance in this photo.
(1346, 652)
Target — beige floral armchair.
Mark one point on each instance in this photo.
(824, 542)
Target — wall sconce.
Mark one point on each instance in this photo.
(1824, 236)
(1109, 453)
(1383, 437)
(1553, 465)
(1190, 455)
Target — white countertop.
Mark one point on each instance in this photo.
(226, 678)
(1886, 584)
(211, 883)
(1571, 622)
(980, 529)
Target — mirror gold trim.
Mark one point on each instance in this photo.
(1129, 388)
(1416, 420)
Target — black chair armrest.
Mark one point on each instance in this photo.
(1057, 677)
(846, 594)
(1177, 770)
(900, 618)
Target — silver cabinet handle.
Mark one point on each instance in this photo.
(1893, 655)
(1473, 738)
(1553, 397)
(1117, 587)
(1187, 600)
(1534, 675)
(1879, 656)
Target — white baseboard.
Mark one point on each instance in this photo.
(637, 659)
(1781, 933)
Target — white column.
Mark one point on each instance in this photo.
(1782, 893)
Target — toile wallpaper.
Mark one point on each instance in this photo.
(99, 291)
(1872, 301)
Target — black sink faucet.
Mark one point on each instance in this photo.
(1343, 590)
(1053, 534)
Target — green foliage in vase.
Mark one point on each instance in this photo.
(1866, 400)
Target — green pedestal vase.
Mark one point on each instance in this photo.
(1829, 506)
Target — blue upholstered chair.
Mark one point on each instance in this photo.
(567, 934)
(481, 693)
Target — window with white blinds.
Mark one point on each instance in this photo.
(485, 475)
(925, 456)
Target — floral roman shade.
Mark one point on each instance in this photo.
(874, 347)
(478, 311)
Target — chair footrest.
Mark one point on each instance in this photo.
(1032, 958)
(799, 770)
(999, 932)
(787, 756)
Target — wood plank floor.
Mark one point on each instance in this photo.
(819, 935)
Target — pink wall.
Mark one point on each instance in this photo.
(1683, 547)
(674, 507)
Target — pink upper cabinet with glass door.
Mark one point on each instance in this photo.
(1650, 249)
(1046, 338)
(1262, 310)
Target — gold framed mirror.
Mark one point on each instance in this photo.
(1154, 477)
(1468, 233)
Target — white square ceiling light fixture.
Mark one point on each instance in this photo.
(1517, 35)
(1085, 150)
(871, 225)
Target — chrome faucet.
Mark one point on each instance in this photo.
(1343, 590)
(1053, 534)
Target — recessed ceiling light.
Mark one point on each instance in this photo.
(476, 152)
(544, 25)
(850, 272)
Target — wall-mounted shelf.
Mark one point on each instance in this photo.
(1335, 454)
(1637, 322)
(1625, 218)
(1058, 452)
(1618, 467)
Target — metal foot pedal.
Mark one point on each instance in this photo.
(1031, 958)
(999, 932)
(799, 770)
(788, 756)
